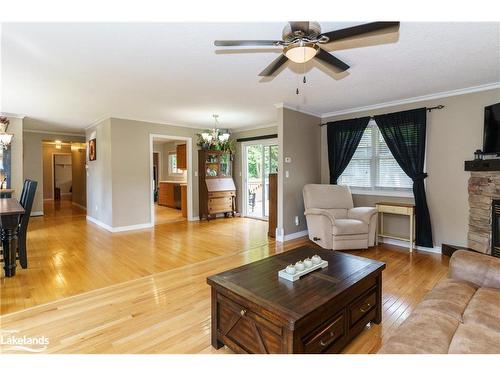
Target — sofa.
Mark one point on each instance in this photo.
(461, 314)
(332, 220)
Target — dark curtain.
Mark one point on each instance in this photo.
(404, 132)
(343, 139)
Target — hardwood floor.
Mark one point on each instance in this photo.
(164, 215)
(146, 291)
(68, 255)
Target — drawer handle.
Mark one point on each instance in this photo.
(330, 339)
(365, 308)
(243, 312)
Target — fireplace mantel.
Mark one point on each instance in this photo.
(482, 165)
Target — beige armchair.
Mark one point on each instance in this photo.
(332, 220)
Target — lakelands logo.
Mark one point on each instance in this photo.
(10, 341)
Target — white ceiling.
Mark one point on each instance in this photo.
(70, 75)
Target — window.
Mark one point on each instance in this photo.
(373, 168)
(172, 164)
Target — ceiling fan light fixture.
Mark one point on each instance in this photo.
(301, 53)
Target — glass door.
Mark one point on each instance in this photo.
(260, 159)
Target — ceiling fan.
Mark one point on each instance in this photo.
(301, 42)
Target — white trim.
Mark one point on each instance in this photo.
(254, 127)
(79, 206)
(190, 171)
(36, 213)
(119, 229)
(13, 115)
(244, 176)
(96, 122)
(116, 117)
(80, 135)
(383, 193)
(283, 105)
(406, 244)
(438, 95)
(291, 236)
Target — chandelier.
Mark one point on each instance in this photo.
(5, 138)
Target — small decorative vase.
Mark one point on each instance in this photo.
(316, 259)
(299, 266)
(290, 269)
(308, 263)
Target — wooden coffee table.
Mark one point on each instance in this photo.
(254, 311)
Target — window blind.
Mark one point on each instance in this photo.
(373, 167)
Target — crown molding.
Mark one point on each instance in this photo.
(438, 95)
(283, 105)
(13, 115)
(54, 132)
(252, 127)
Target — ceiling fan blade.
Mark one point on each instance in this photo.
(274, 66)
(299, 25)
(331, 60)
(360, 30)
(229, 43)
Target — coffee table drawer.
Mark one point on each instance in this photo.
(327, 335)
(251, 332)
(362, 306)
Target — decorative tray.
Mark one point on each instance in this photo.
(285, 275)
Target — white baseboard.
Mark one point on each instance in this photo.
(36, 213)
(391, 241)
(79, 206)
(292, 236)
(119, 229)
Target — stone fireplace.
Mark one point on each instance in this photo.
(484, 193)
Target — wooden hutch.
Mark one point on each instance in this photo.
(217, 192)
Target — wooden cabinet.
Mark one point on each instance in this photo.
(273, 205)
(181, 157)
(166, 194)
(184, 200)
(217, 192)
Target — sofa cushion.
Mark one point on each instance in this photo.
(349, 226)
(475, 339)
(484, 309)
(449, 297)
(422, 332)
(337, 213)
(327, 196)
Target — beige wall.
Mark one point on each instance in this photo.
(99, 188)
(453, 134)
(79, 174)
(300, 139)
(119, 181)
(33, 161)
(237, 162)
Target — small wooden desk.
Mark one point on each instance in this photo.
(407, 209)
(10, 213)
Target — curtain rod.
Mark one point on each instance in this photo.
(430, 109)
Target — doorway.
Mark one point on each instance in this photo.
(259, 159)
(170, 176)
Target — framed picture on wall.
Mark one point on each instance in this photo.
(92, 149)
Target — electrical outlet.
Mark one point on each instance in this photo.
(296, 220)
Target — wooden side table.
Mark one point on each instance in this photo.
(406, 209)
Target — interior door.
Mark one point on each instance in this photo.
(260, 159)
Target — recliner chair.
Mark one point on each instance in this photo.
(332, 220)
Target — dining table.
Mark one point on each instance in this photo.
(10, 215)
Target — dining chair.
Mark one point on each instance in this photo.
(27, 203)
